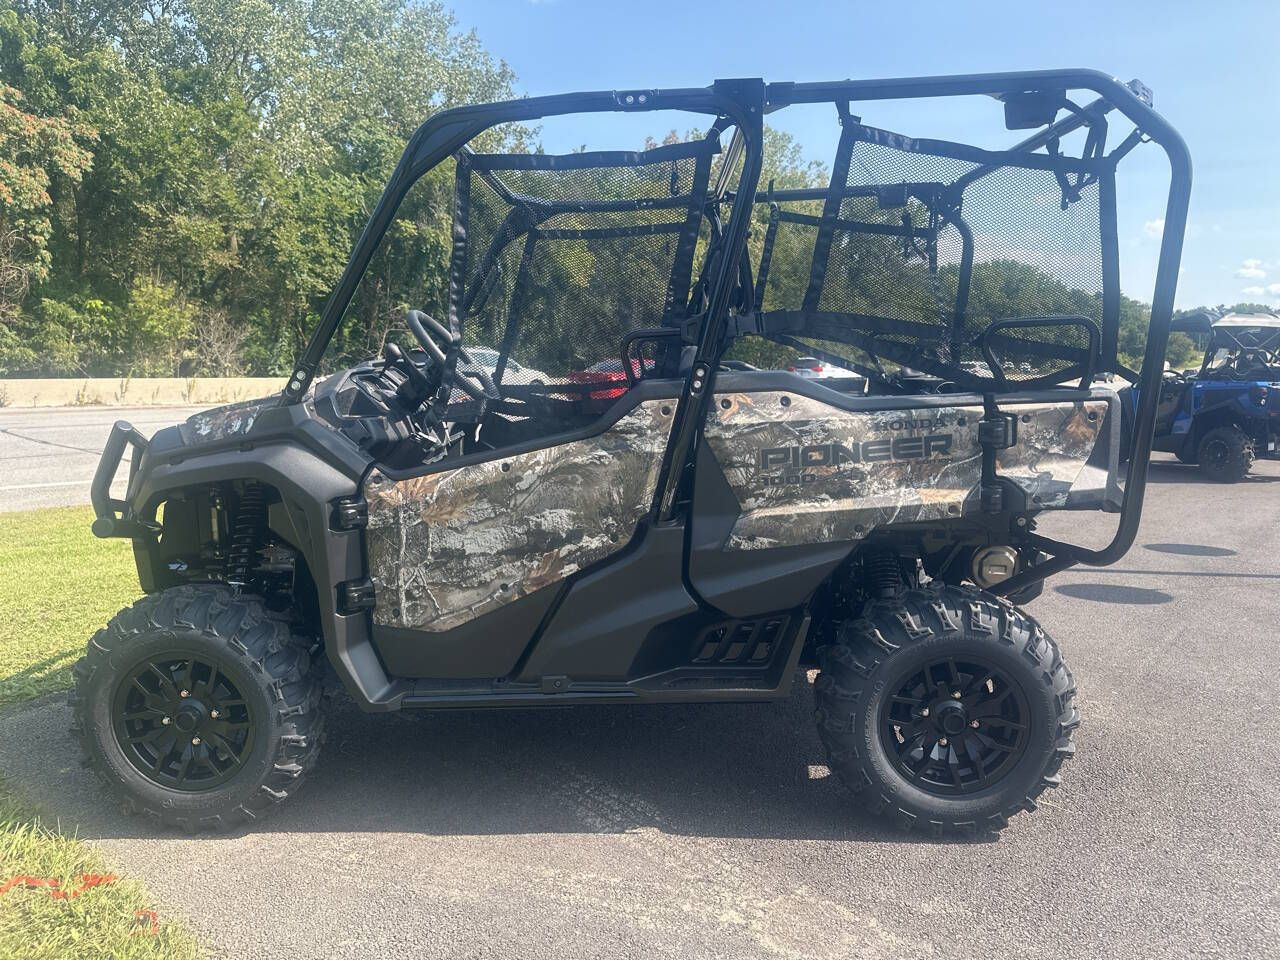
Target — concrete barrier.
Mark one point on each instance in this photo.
(135, 391)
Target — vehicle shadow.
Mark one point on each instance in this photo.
(20, 684)
(1190, 549)
(741, 771)
(1173, 471)
(1113, 593)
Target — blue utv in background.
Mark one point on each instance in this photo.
(1227, 414)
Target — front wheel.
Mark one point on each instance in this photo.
(947, 709)
(1225, 454)
(198, 707)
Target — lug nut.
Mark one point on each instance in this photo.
(166, 721)
(974, 724)
(942, 742)
(955, 695)
(923, 713)
(184, 693)
(195, 741)
(214, 714)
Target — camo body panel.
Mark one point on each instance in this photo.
(449, 546)
(1055, 441)
(235, 419)
(846, 501)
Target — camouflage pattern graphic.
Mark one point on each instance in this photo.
(1054, 441)
(806, 472)
(447, 547)
(235, 419)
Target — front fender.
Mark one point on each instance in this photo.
(308, 486)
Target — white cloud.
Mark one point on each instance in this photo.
(1153, 228)
(1251, 270)
(1258, 290)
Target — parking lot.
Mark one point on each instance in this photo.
(716, 831)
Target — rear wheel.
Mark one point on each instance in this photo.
(1225, 454)
(948, 709)
(198, 707)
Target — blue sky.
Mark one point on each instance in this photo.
(1214, 67)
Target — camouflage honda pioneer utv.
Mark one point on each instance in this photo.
(576, 469)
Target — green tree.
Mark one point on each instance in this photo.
(241, 145)
(34, 152)
(157, 325)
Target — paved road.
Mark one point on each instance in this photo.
(48, 454)
(715, 831)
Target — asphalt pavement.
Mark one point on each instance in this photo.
(48, 454)
(713, 831)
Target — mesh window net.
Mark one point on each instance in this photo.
(562, 262)
(922, 253)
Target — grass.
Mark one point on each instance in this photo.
(58, 584)
(102, 922)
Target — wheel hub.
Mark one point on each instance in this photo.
(182, 722)
(954, 726)
(950, 717)
(190, 716)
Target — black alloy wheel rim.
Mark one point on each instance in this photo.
(1215, 453)
(955, 726)
(182, 722)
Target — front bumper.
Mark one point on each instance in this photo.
(112, 517)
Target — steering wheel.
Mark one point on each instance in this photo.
(444, 348)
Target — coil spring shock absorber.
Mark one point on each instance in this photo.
(882, 574)
(246, 534)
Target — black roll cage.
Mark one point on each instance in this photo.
(744, 103)
(1269, 347)
(1264, 337)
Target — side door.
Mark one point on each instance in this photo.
(574, 286)
(1174, 391)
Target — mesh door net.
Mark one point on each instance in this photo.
(919, 250)
(557, 259)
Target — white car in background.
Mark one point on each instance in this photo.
(515, 373)
(811, 368)
(486, 359)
